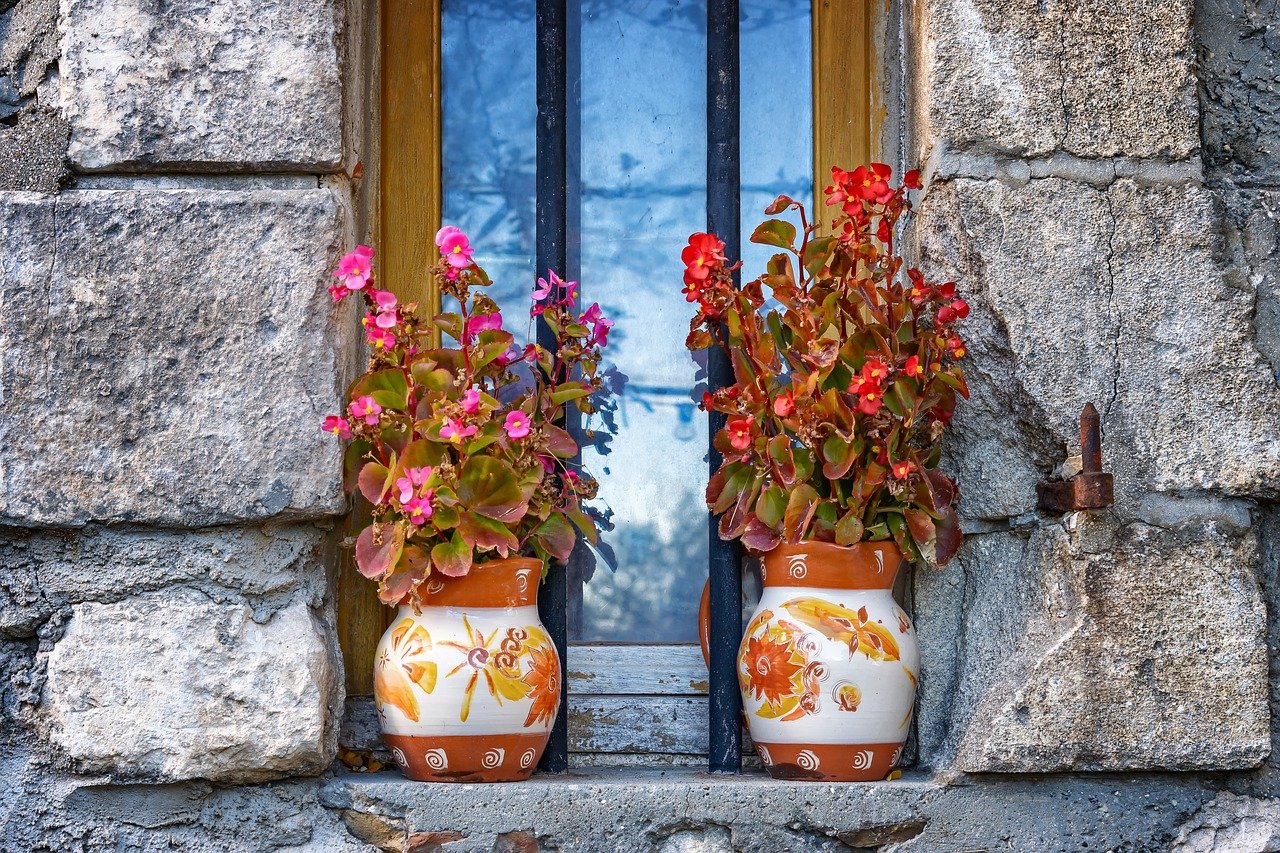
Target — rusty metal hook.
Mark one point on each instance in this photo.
(1092, 488)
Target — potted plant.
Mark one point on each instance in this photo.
(843, 389)
(461, 452)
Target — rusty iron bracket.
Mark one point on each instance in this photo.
(1092, 488)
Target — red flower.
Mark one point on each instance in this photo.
(875, 370)
(704, 253)
(948, 290)
(956, 346)
(870, 401)
(784, 405)
(911, 180)
(872, 183)
(882, 233)
(740, 433)
(961, 308)
(707, 400)
(902, 470)
(946, 314)
(913, 367)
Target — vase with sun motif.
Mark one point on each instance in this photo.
(467, 688)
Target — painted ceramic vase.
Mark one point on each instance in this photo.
(828, 663)
(468, 688)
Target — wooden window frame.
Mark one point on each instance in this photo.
(605, 680)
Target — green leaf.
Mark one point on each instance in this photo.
(784, 462)
(956, 381)
(489, 486)
(735, 481)
(452, 558)
(585, 524)
(559, 441)
(838, 456)
(387, 387)
(438, 379)
(775, 232)
(771, 506)
(450, 323)
(816, 253)
(556, 535)
(486, 534)
(419, 454)
(849, 528)
(570, 391)
(800, 508)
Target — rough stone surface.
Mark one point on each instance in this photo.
(1231, 823)
(1028, 77)
(174, 687)
(1098, 646)
(1120, 297)
(1240, 86)
(202, 83)
(185, 352)
(33, 136)
(43, 572)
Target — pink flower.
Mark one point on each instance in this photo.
(419, 509)
(483, 323)
(355, 268)
(512, 354)
(543, 290)
(386, 303)
(337, 425)
(455, 246)
(364, 408)
(471, 401)
(339, 291)
(456, 432)
(600, 325)
(411, 481)
(379, 337)
(517, 424)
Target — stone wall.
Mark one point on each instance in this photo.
(172, 196)
(1104, 179)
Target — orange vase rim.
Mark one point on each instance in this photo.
(503, 582)
(825, 565)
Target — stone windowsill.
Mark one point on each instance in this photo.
(630, 808)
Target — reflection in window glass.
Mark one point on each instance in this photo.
(490, 107)
(637, 189)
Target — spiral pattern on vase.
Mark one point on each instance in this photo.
(797, 567)
(764, 755)
(493, 757)
(807, 760)
(862, 760)
(436, 759)
(526, 760)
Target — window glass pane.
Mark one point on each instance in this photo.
(490, 111)
(643, 145)
(637, 189)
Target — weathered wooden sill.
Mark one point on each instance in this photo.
(625, 809)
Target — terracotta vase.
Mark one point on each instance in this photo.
(467, 689)
(828, 663)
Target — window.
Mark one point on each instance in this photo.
(459, 143)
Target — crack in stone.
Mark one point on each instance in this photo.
(1111, 312)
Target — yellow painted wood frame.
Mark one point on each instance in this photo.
(847, 113)
(409, 210)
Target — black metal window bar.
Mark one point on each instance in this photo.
(723, 218)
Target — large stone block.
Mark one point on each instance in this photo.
(211, 83)
(1099, 646)
(42, 572)
(1096, 79)
(172, 688)
(1119, 296)
(167, 355)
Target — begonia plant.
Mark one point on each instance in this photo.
(461, 449)
(843, 388)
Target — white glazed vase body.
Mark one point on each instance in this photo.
(828, 663)
(467, 688)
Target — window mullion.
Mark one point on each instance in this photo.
(551, 204)
(724, 182)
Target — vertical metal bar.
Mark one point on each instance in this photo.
(581, 557)
(550, 252)
(723, 202)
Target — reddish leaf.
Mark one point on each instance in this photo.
(452, 558)
(378, 548)
(800, 508)
(486, 534)
(557, 536)
(759, 536)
